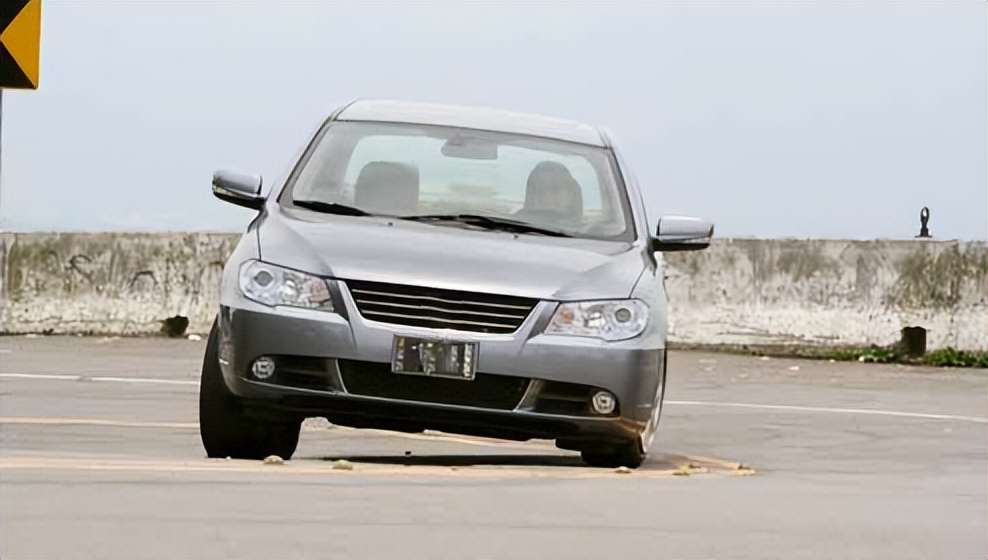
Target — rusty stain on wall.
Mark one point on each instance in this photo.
(739, 291)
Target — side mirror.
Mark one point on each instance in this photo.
(239, 189)
(682, 233)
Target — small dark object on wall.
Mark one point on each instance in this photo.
(174, 327)
(913, 342)
(924, 218)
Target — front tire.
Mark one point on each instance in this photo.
(632, 453)
(628, 454)
(226, 429)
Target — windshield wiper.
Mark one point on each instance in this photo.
(330, 207)
(488, 222)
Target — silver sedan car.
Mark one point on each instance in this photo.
(461, 269)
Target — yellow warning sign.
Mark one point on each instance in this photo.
(20, 43)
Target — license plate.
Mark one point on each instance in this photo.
(434, 358)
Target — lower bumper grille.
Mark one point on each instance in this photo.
(569, 399)
(369, 379)
(303, 373)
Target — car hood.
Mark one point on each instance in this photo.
(450, 257)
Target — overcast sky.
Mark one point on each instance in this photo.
(773, 119)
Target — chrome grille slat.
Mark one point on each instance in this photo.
(439, 309)
(372, 314)
(427, 308)
(526, 309)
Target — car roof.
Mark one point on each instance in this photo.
(479, 118)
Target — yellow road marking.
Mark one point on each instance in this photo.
(672, 461)
(307, 467)
(468, 440)
(429, 436)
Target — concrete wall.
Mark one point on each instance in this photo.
(110, 283)
(737, 292)
(832, 292)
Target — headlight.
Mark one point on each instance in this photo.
(607, 320)
(273, 285)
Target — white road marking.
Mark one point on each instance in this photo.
(60, 377)
(791, 408)
(52, 376)
(96, 422)
(146, 380)
(795, 408)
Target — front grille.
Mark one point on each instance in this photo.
(371, 379)
(439, 309)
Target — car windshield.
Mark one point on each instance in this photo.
(416, 171)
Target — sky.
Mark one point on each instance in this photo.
(772, 119)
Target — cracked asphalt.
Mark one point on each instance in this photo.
(100, 458)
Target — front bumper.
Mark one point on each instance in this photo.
(528, 385)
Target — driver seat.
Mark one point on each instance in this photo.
(552, 193)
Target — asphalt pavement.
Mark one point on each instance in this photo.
(756, 458)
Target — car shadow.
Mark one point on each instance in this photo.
(658, 462)
(463, 460)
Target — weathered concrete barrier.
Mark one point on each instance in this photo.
(741, 291)
(110, 283)
(777, 291)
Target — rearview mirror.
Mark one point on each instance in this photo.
(682, 233)
(239, 189)
(468, 147)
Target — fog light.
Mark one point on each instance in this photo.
(604, 402)
(263, 367)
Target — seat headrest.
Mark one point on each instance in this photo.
(387, 187)
(552, 178)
